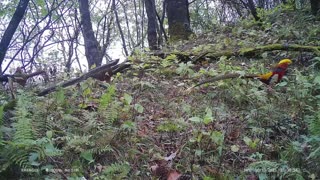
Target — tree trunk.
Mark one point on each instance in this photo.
(12, 27)
(178, 19)
(253, 10)
(92, 48)
(152, 24)
(119, 27)
(161, 20)
(315, 6)
(261, 4)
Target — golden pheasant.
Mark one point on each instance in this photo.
(272, 77)
(276, 74)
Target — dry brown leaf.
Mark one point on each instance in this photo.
(173, 175)
(234, 134)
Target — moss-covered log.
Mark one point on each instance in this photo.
(246, 52)
(285, 47)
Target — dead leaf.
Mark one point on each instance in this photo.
(234, 134)
(173, 175)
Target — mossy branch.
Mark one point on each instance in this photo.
(273, 47)
(246, 52)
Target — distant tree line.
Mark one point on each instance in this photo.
(55, 33)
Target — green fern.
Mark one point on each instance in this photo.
(60, 97)
(100, 150)
(92, 125)
(314, 128)
(270, 170)
(112, 113)
(314, 125)
(106, 98)
(108, 107)
(117, 171)
(1, 126)
(23, 149)
(17, 151)
(42, 116)
(23, 125)
(79, 143)
(1, 115)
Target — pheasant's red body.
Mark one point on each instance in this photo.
(277, 74)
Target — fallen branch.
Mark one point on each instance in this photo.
(273, 47)
(21, 77)
(246, 52)
(102, 73)
(251, 52)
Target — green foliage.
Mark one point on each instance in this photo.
(184, 69)
(314, 124)
(171, 126)
(268, 169)
(169, 61)
(60, 97)
(87, 155)
(208, 118)
(106, 98)
(1, 115)
(128, 99)
(80, 134)
(116, 171)
(129, 126)
(204, 16)
(23, 126)
(138, 108)
(251, 143)
(267, 114)
(1, 126)
(24, 150)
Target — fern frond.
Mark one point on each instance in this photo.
(108, 107)
(101, 150)
(112, 113)
(117, 171)
(106, 98)
(42, 118)
(23, 125)
(20, 157)
(314, 125)
(1, 115)
(1, 124)
(79, 143)
(17, 151)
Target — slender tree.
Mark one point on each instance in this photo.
(119, 27)
(253, 10)
(92, 48)
(12, 27)
(315, 6)
(152, 24)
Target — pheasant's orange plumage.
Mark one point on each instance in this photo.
(277, 74)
